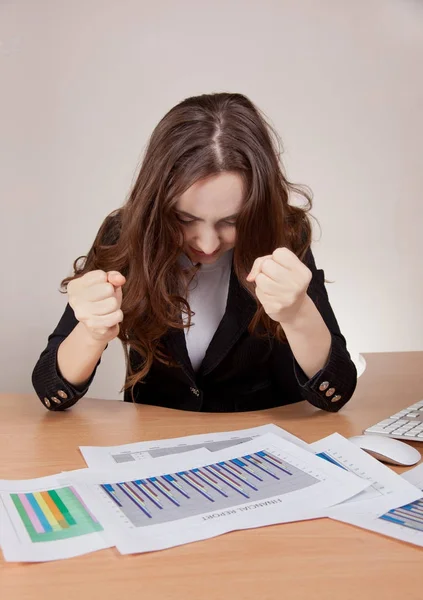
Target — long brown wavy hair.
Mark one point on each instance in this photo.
(201, 136)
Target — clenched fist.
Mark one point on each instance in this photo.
(96, 298)
(281, 282)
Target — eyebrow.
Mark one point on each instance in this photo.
(190, 216)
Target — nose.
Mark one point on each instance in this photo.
(208, 242)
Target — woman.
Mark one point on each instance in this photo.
(206, 276)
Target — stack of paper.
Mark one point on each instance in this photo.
(392, 505)
(154, 495)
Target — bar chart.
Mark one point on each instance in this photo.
(410, 515)
(213, 446)
(53, 515)
(216, 486)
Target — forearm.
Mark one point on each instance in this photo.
(78, 355)
(309, 338)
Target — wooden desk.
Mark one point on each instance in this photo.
(314, 560)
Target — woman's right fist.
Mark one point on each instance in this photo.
(96, 298)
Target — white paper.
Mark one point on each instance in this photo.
(403, 521)
(295, 485)
(387, 489)
(415, 476)
(101, 457)
(85, 535)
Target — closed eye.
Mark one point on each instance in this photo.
(185, 220)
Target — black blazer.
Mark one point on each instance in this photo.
(239, 372)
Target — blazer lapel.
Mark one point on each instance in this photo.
(240, 309)
(175, 341)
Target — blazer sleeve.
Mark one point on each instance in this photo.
(332, 386)
(51, 387)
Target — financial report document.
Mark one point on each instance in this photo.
(171, 500)
(264, 481)
(100, 457)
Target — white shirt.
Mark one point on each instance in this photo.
(207, 297)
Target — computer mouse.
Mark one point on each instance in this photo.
(387, 449)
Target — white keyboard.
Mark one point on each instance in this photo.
(407, 424)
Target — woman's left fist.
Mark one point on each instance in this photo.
(281, 282)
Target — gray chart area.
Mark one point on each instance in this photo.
(124, 457)
(210, 488)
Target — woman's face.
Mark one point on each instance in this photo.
(208, 212)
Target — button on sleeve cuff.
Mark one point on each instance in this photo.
(332, 386)
(52, 389)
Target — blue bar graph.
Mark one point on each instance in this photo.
(410, 515)
(212, 487)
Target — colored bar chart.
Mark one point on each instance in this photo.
(53, 515)
(216, 486)
(410, 515)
